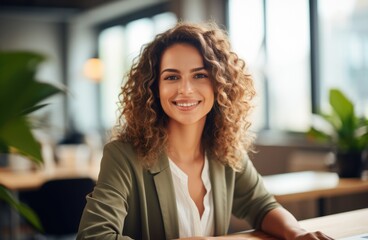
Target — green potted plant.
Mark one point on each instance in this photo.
(346, 132)
(21, 94)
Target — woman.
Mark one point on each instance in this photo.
(179, 166)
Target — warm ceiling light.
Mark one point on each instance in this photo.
(93, 69)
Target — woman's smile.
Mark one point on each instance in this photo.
(186, 105)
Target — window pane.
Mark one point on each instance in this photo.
(288, 64)
(246, 35)
(139, 32)
(111, 50)
(278, 58)
(344, 51)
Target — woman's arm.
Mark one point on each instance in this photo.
(107, 206)
(280, 223)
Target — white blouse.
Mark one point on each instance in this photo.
(190, 222)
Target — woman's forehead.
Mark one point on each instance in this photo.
(181, 55)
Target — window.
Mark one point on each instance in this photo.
(247, 38)
(274, 41)
(287, 38)
(118, 46)
(273, 36)
(343, 32)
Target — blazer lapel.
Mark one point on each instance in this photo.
(217, 176)
(166, 196)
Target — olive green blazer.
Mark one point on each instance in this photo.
(131, 202)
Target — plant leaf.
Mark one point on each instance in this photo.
(350, 133)
(332, 119)
(344, 109)
(19, 89)
(33, 108)
(362, 136)
(3, 147)
(13, 65)
(17, 72)
(341, 105)
(23, 209)
(318, 135)
(37, 92)
(18, 136)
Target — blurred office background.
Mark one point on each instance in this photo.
(296, 50)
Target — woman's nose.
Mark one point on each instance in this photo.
(185, 86)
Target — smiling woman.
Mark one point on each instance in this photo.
(179, 166)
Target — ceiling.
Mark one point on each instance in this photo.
(78, 5)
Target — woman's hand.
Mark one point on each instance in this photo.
(281, 224)
(312, 235)
(300, 235)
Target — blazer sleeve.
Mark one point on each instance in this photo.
(251, 199)
(106, 207)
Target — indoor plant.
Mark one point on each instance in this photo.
(20, 94)
(346, 132)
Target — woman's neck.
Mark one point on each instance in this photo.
(185, 142)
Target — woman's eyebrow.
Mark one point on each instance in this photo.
(170, 70)
(197, 69)
(177, 71)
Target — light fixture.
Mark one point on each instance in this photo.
(93, 69)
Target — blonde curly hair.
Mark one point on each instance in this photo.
(142, 121)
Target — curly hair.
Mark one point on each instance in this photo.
(142, 121)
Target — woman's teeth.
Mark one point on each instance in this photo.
(187, 104)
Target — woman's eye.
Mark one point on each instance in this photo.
(171, 78)
(200, 75)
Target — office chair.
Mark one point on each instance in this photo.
(59, 204)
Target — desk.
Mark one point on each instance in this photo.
(28, 180)
(309, 185)
(340, 225)
(337, 226)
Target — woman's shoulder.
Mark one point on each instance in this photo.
(116, 143)
(120, 148)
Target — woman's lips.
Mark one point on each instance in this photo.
(187, 105)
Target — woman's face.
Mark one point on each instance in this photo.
(185, 88)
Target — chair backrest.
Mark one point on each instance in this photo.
(59, 204)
